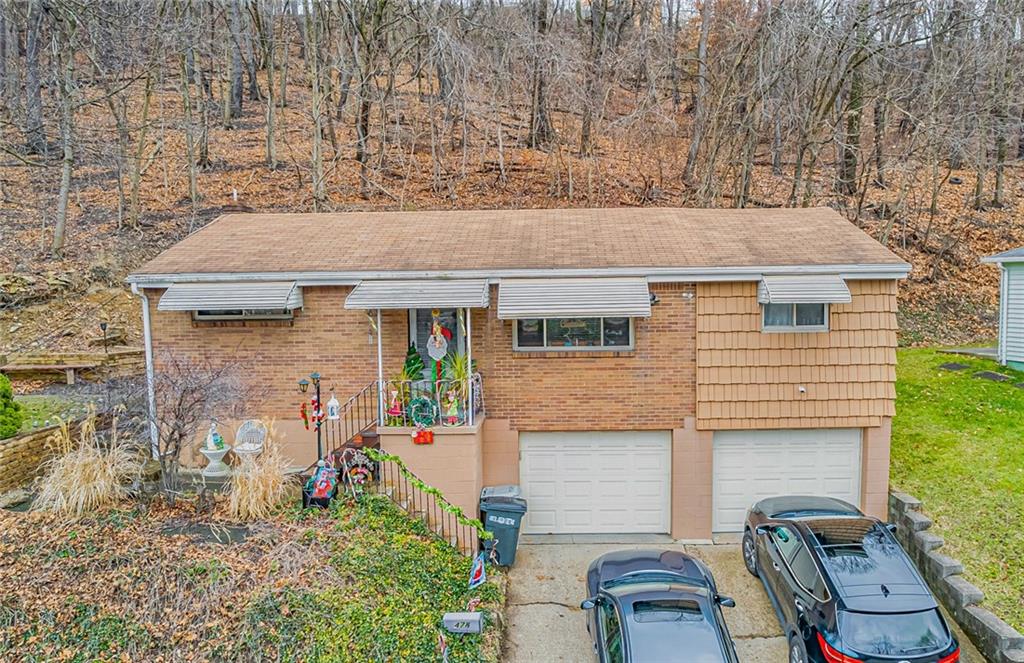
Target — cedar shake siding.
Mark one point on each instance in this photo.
(748, 379)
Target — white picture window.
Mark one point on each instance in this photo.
(569, 334)
(794, 317)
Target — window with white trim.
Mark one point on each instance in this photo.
(794, 317)
(244, 314)
(570, 334)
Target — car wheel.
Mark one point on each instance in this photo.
(749, 553)
(797, 649)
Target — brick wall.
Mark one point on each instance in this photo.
(708, 334)
(651, 387)
(323, 336)
(748, 379)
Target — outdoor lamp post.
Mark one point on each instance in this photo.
(303, 387)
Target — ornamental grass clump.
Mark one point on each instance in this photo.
(259, 484)
(87, 474)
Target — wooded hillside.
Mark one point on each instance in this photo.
(127, 124)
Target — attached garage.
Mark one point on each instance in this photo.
(751, 465)
(596, 482)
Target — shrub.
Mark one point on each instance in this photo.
(88, 474)
(259, 484)
(11, 413)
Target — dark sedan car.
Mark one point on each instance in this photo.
(656, 605)
(844, 589)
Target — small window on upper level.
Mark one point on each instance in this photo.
(794, 317)
(244, 314)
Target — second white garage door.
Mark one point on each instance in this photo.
(596, 482)
(751, 465)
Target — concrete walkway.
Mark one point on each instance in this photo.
(545, 622)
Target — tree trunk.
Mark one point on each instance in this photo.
(312, 48)
(235, 104)
(879, 141)
(68, 161)
(700, 97)
(35, 136)
(541, 131)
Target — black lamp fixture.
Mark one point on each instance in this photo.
(314, 379)
(103, 328)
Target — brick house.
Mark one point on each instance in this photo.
(635, 370)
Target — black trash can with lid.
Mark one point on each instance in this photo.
(502, 515)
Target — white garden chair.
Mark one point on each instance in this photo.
(250, 437)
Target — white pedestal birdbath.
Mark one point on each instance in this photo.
(216, 467)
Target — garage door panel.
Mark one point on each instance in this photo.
(611, 482)
(752, 465)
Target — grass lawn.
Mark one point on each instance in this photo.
(361, 582)
(43, 411)
(958, 445)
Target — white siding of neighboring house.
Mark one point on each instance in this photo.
(1012, 331)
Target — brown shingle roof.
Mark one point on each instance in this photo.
(444, 241)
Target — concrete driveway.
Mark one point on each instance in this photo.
(545, 622)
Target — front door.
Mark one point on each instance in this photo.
(421, 321)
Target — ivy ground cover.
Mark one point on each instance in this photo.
(361, 582)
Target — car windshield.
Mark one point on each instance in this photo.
(900, 634)
(653, 576)
(660, 630)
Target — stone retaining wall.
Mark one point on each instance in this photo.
(997, 640)
(22, 455)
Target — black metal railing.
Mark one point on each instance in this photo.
(357, 415)
(439, 515)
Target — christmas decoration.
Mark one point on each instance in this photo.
(413, 367)
(477, 574)
(333, 409)
(422, 411)
(304, 414)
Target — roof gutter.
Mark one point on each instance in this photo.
(890, 271)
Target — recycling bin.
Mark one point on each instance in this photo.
(502, 515)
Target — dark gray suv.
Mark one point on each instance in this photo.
(843, 588)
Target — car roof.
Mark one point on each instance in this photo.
(867, 567)
(800, 506)
(682, 567)
(660, 640)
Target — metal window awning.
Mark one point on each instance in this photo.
(229, 296)
(574, 298)
(419, 293)
(803, 289)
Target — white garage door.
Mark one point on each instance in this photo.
(751, 465)
(596, 482)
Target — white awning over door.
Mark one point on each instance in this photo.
(419, 293)
(230, 296)
(803, 289)
(574, 298)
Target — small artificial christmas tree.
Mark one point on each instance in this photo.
(413, 368)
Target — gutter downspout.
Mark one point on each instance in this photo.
(147, 339)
